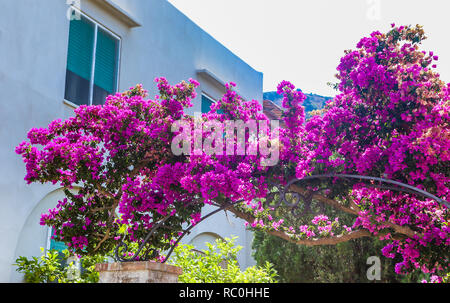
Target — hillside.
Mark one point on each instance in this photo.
(312, 102)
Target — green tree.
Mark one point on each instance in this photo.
(342, 263)
(54, 267)
(218, 264)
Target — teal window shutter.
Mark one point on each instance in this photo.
(81, 45)
(79, 61)
(56, 245)
(59, 247)
(206, 104)
(105, 77)
(106, 61)
(85, 82)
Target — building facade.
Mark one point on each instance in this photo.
(57, 54)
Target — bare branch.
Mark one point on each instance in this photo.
(102, 240)
(405, 230)
(323, 199)
(309, 242)
(94, 210)
(325, 240)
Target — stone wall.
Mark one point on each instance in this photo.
(138, 272)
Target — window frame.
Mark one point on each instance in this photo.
(97, 25)
(72, 259)
(203, 94)
(49, 239)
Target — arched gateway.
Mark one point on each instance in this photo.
(295, 199)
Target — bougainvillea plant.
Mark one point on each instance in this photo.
(390, 120)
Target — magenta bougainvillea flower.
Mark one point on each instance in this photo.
(390, 119)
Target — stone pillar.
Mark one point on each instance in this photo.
(138, 272)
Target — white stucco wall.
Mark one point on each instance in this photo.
(33, 54)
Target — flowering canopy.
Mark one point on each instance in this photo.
(390, 119)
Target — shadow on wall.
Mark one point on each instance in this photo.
(199, 242)
(206, 237)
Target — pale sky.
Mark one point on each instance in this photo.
(303, 40)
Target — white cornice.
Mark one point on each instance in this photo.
(117, 11)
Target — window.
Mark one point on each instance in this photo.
(60, 247)
(92, 62)
(206, 104)
(53, 244)
(56, 245)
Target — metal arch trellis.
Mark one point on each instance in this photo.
(152, 253)
(283, 192)
(393, 185)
